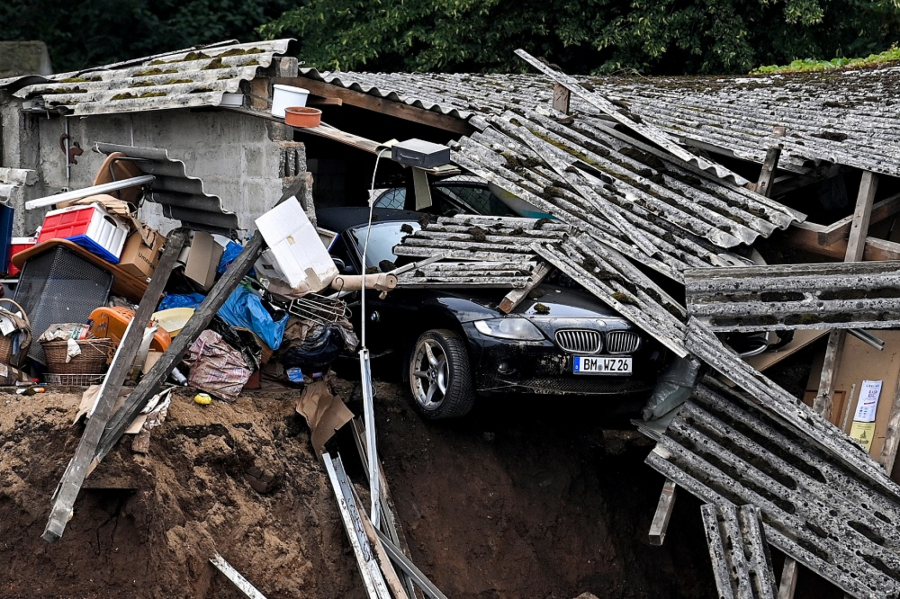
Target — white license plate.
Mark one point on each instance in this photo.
(601, 365)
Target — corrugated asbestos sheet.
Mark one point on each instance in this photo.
(825, 516)
(12, 180)
(737, 547)
(601, 270)
(181, 196)
(843, 117)
(796, 296)
(175, 80)
(634, 197)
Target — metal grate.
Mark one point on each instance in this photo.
(622, 342)
(580, 341)
(59, 286)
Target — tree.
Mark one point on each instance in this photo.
(96, 32)
(583, 36)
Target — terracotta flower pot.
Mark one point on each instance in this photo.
(301, 116)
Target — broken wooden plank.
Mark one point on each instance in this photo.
(180, 344)
(788, 578)
(767, 172)
(663, 514)
(561, 98)
(80, 464)
(859, 230)
(515, 297)
(805, 236)
(240, 583)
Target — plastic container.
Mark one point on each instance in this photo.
(301, 116)
(18, 244)
(287, 95)
(112, 322)
(88, 226)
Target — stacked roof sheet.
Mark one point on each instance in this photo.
(198, 77)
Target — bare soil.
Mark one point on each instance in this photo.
(524, 498)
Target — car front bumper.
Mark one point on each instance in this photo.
(502, 365)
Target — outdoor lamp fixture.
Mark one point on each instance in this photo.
(420, 153)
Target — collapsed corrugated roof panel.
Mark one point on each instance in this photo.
(175, 80)
(814, 509)
(181, 196)
(796, 296)
(737, 546)
(632, 196)
(845, 117)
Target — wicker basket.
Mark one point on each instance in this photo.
(6, 341)
(94, 357)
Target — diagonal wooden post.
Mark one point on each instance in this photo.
(172, 356)
(78, 468)
(856, 245)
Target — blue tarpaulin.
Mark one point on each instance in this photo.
(244, 309)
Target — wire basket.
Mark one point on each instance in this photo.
(93, 359)
(73, 380)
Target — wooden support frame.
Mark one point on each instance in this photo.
(392, 108)
(663, 514)
(856, 243)
(172, 356)
(80, 464)
(561, 98)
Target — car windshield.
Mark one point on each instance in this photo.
(382, 239)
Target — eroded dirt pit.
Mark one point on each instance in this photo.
(538, 498)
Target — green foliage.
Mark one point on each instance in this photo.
(809, 64)
(583, 36)
(96, 32)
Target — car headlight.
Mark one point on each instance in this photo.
(520, 329)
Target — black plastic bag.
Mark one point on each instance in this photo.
(321, 346)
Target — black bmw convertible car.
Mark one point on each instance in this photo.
(456, 344)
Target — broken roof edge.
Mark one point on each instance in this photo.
(651, 132)
(349, 82)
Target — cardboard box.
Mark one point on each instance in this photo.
(296, 253)
(142, 251)
(200, 260)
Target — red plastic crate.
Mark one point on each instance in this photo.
(88, 226)
(18, 244)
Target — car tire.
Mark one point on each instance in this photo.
(440, 377)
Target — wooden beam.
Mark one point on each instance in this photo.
(515, 297)
(892, 435)
(859, 228)
(180, 344)
(78, 468)
(840, 230)
(561, 98)
(663, 513)
(856, 245)
(767, 172)
(788, 579)
(806, 237)
(392, 108)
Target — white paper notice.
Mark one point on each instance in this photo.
(869, 393)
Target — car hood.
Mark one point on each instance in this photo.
(543, 303)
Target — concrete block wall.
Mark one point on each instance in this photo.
(240, 158)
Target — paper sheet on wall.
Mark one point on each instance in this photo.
(869, 393)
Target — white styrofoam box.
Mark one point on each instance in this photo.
(296, 254)
(287, 95)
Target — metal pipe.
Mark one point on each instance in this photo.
(87, 191)
(868, 338)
